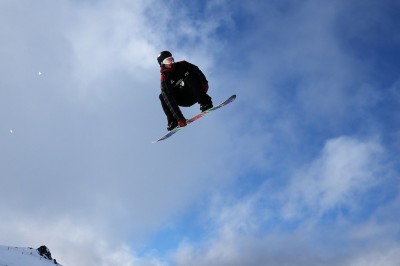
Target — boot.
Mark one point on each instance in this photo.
(205, 107)
(172, 124)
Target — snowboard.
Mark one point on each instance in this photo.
(191, 120)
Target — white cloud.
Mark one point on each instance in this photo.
(253, 230)
(109, 37)
(345, 168)
(74, 243)
(385, 256)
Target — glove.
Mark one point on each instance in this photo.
(182, 122)
(204, 86)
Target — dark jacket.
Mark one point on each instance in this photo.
(171, 80)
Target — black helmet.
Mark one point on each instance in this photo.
(162, 56)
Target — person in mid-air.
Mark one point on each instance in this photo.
(182, 84)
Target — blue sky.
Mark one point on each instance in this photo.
(302, 169)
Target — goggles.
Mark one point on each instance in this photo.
(168, 60)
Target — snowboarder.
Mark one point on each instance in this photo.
(182, 84)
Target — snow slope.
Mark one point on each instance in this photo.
(13, 256)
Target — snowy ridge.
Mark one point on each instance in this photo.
(17, 256)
